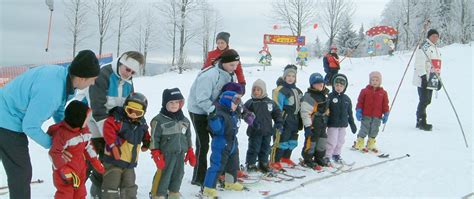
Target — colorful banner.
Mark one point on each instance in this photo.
(284, 40)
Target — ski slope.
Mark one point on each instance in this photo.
(440, 165)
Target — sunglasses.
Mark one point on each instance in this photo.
(129, 70)
(134, 111)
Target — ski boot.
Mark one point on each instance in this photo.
(174, 195)
(288, 161)
(233, 186)
(358, 144)
(251, 168)
(276, 166)
(421, 124)
(209, 192)
(371, 145)
(263, 167)
(337, 159)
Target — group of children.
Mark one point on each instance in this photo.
(324, 116)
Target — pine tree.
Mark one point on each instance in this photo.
(346, 39)
(361, 50)
(317, 48)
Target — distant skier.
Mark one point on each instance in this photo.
(428, 52)
(331, 65)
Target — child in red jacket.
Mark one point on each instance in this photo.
(372, 110)
(72, 135)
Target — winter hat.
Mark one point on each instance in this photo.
(333, 47)
(260, 84)
(376, 74)
(224, 36)
(315, 78)
(290, 68)
(85, 65)
(170, 95)
(432, 31)
(339, 79)
(233, 86)
(229, 55)
(227, 98)
(76, 113)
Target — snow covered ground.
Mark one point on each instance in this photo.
(440, 165)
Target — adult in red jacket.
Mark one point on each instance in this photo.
(222, 41)
(72, 135)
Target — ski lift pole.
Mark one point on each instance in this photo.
(406, 69)
(50, 4)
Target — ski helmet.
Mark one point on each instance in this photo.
(315, 78)
(138, 98)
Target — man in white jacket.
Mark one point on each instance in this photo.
(426, 56)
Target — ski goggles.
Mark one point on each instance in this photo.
(134, 108)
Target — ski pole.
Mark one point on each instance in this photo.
(50, 4)
(406, 69)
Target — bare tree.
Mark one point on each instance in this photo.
(332, 16)
(146, 34)
(76, 16)
(170, 10)
(209, 21)
(124, 8)
(187, 7)
(105, 10)
(467, 21)
(295, 15)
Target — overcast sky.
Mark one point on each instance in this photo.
(24, 28)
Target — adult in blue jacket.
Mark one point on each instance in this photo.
(27, 102)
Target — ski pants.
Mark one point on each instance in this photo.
(93, 175)
(66, 190)
(335, 141)
(315, 145)
(202, 146)
(15, 157)
(328, 78)
(170, 177)
(369, 126)
(223, 159)
(118, 183)
(288, 142)
(259, 147)
(424, 100)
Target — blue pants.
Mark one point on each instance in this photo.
(288, 142)
(222, 159)
(259, 146)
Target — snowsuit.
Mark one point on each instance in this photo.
(288, 98)
(204, 91)
(224, 157)
(212, 58)
(374, 103)
(261, 131)
(313, 112)
(340, 108)
(109, 91)
(25, 103)
(421, 73)
(172, 136)
(127, 135)
(331, 67)
(77, 142)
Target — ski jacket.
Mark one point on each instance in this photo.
(109, 91)
(288, 99)
(265, 111)
(170, 135)
(212, 57)
(127, 135)
(340, 110)
(74, 140)
(331, 61)
(426, 53)
(373, 101)
(206, 89)
(32, 98)
(224, 126)
(314, 104)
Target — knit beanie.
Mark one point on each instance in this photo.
(290, 68)
(376, 74)
(233, 86)
(229, 55)
(85, 65)
(227, 98)
(76, 113)
(315, 78)
(224, 36)
(260, 84)
(170, 95)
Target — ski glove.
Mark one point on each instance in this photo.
(69, 176)
(249, 117)
(353, 128)
(359, 114)
(158, 158)
(97, 165)
(307, 131)
(385, 117)
(190, 157)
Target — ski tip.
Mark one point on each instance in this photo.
(408, 155)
